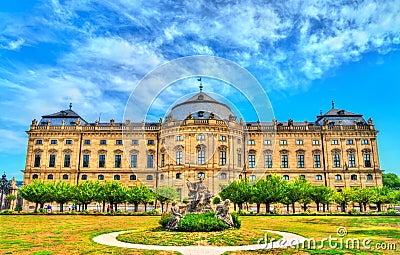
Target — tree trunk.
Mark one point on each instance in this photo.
(323, 207)
(145, 207)
(304, 207)
(247, 206)
(294, 209)
(379, 206)
(317, 206)
(343, 205)
(41, 205)
(104, 206)
(361, 207)
(162, 207)
(234, 206)
(36, 207)
(258, 208)
(136, 206)
(116, 206)
(240, 206)
(287, 208)
(365, 207)
(61, 207)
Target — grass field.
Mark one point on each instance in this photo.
(72, 234)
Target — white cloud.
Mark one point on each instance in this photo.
(14, 45)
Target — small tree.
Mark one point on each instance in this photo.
(166, 195)
(84, 193)
(238, 192)
(62, 193)
(10, 198)
(343, 197)
(38, 192)
(363, 196)
(114, 192)
(293, 192)
(382, 195)
(267, 191)
(320, 194)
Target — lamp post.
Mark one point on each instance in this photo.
(4, 187)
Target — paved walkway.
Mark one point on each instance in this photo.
(287, 239)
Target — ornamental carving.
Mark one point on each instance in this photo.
(37, 150)
(300, 152)
(252, 152)
(284, 152)
(178, 148)
(151, 152)
(335, 151)
(268, 152)
(52, 151)
(200, 147)
(351, 151)
(67, 151)
(118, 151)
(316, 152)
(222, 148)
(102, 151)
(133, 152)
(86, 151)
(366, 150)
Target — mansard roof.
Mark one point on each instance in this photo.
(335, 115)
(69, 117)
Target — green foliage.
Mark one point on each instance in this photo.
(204, 222)
(38, 192)
(391, 211)
(185, 200)
(166, 195)
(237, 223)
(139, 195)
(391, 181)
(164, 219)
(10, 197)
(216, 200)
(238, 192)
(267, 191)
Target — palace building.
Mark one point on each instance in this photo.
(202, 138)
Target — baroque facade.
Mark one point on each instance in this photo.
(202, 138)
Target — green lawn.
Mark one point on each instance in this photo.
(72, 234)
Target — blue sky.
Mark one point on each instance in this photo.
(93, 53)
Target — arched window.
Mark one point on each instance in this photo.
(318, 177)
(65, 177)
(50, 177)
(100, 177)
(353, 177)
(179, 176)
(35, 176)
(84, 177)
(149, 177)
(253, 177)
(161, 177)
(117, 177)
(132, 177)
(338, 177)
(369, 177)
(223, 175)
(286, 177)
(201, 175)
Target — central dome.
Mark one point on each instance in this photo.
(200, 106)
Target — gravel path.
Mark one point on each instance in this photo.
(287, 239)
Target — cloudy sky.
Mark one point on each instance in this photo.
(93, 53)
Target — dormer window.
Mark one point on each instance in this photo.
(200, 114)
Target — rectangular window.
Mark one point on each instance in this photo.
(86, 160)
(350, 141)
(133, 161)
(367, 160)
(352, 160)
(179, 138)
(222, 158)
(135, 142)
(53, 142)
(87, 142)
(239, 141)
(200, 157)
(335, 142)
(252, 161)
(179, 157)
(317, 161)
(39, 142)
(364, 141)
(336, 160)
(150, 161)
(117, 162)
(102, 160)
(163, 141)
(68, 141)
(52, 161)
(67, 160)
(267, 142)
(284, 159)
(103, 142)
(118, 142)
(300, 161)
(37, 160)
(268, 161)
(282, 142)
(222, 138)
(299, 142)
(251, 142)
(162, 160)
(315, 142)
(150, 142)
(239, 160)
(200, 137)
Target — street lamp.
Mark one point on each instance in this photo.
(4, 187)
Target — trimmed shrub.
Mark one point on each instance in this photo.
(236, 220)
(164, 219)
(204, 222)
